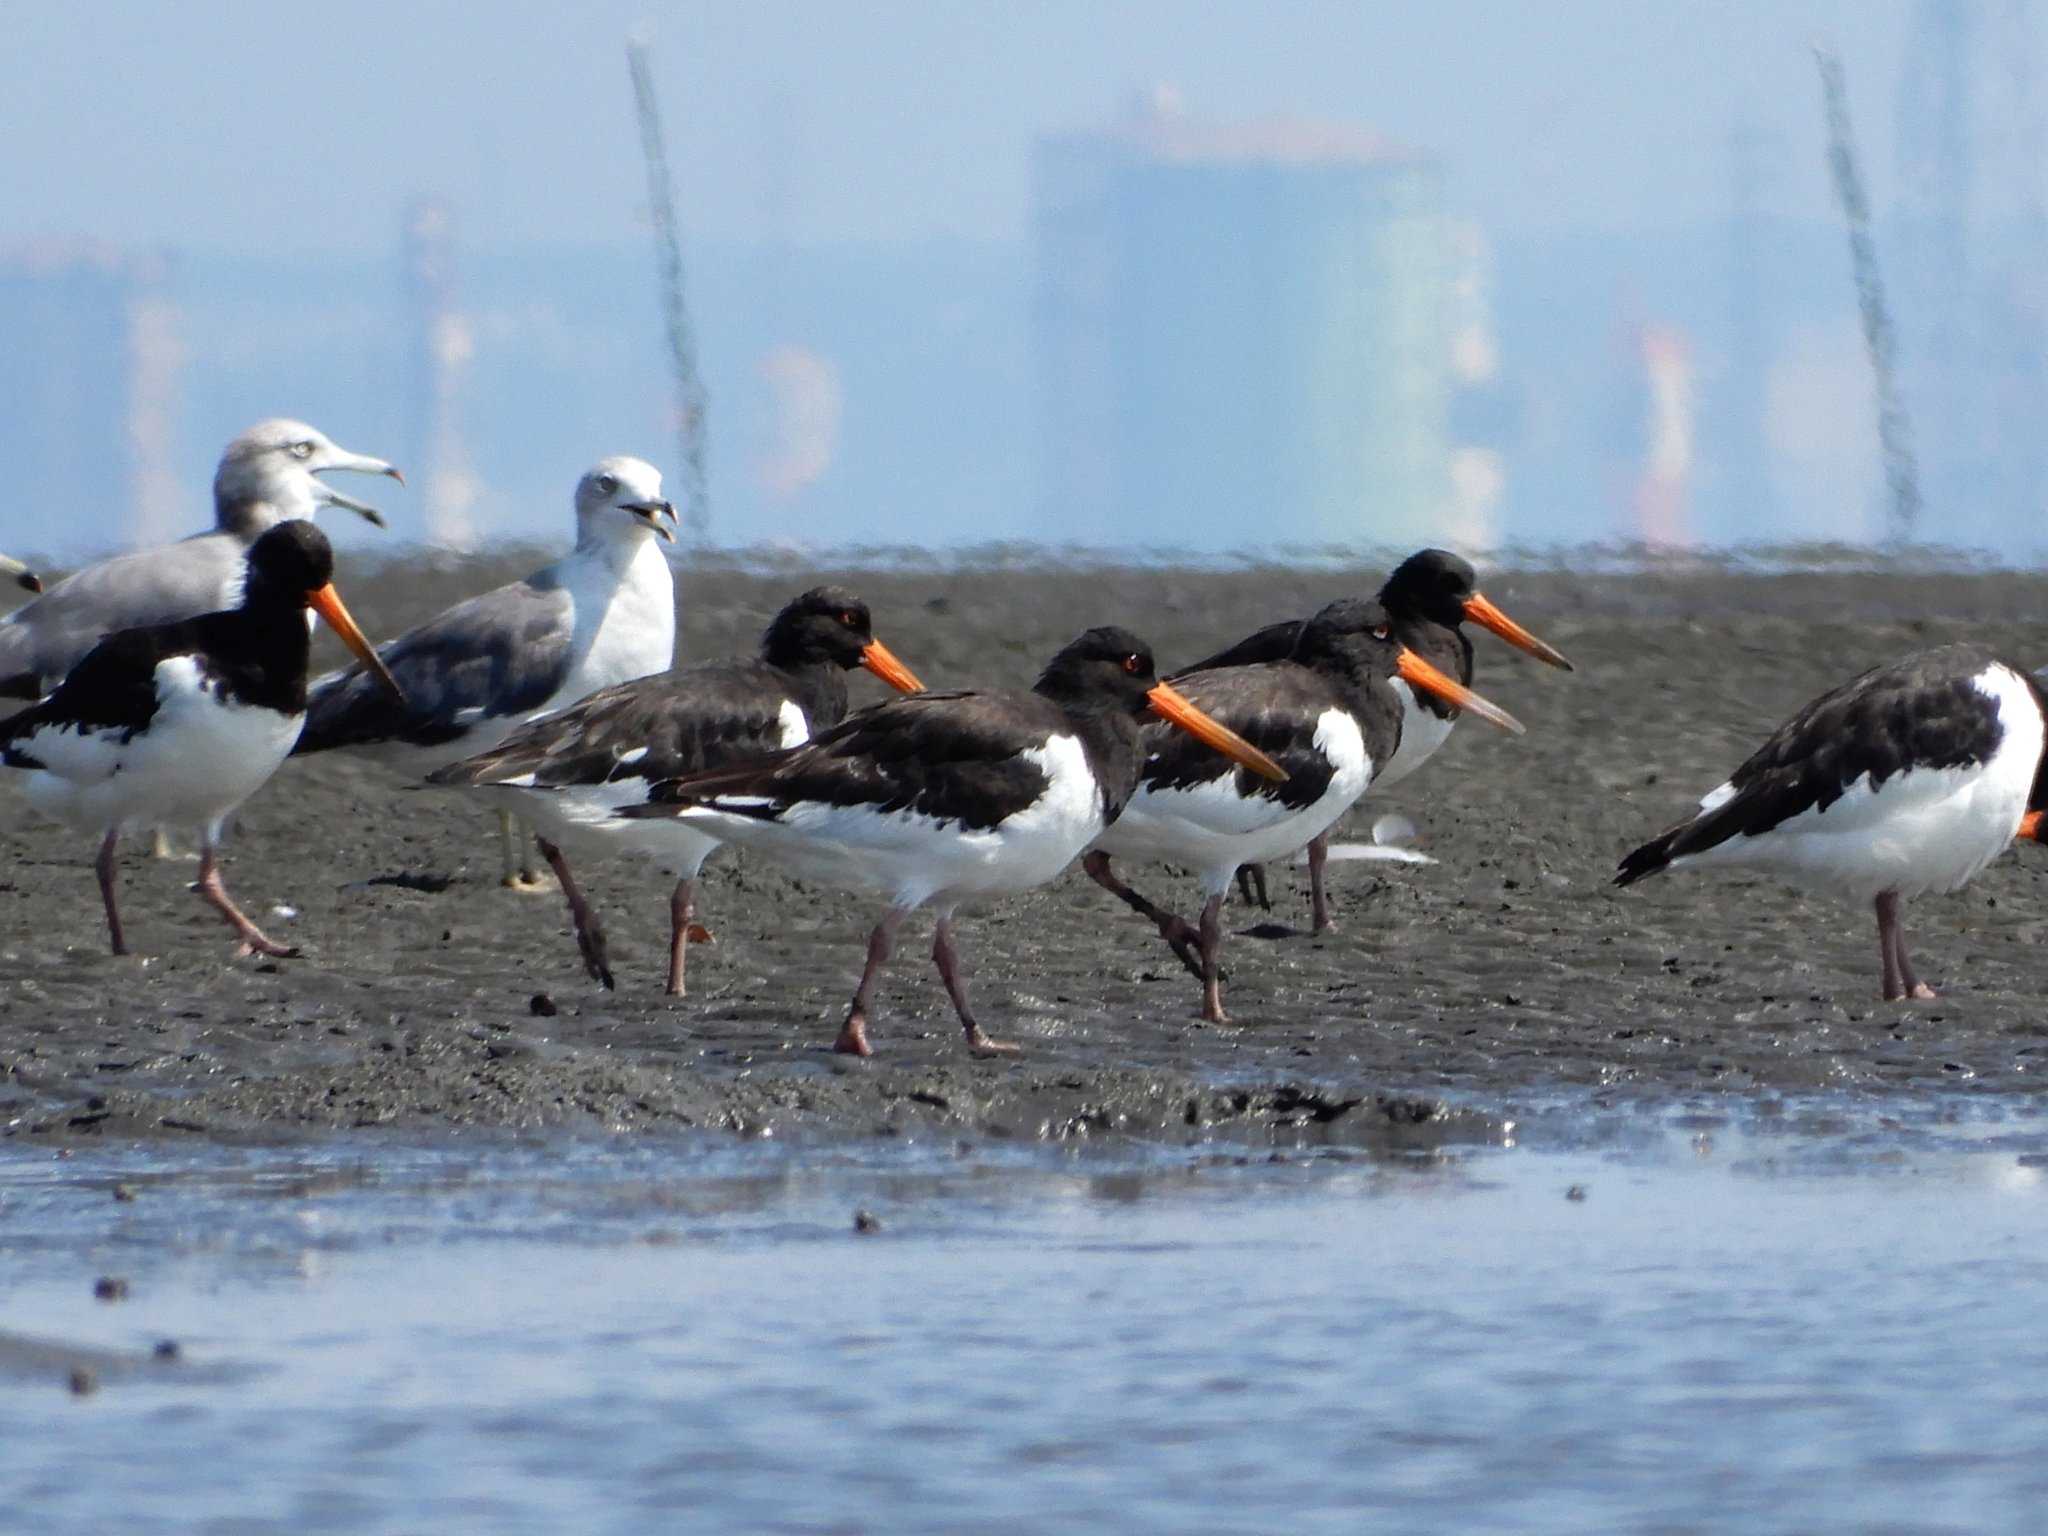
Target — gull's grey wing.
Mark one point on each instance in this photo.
(503, 653)
(43, 640)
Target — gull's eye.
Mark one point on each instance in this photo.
(606, 484)
(302, 450)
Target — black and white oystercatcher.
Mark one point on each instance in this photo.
(569, 772)
(1909, 779)
(1329, 715)
(177, 724)
(942, 798)
(602, 614)
(1430, 596)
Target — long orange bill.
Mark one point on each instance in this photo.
(1175, 708)
(1480, 610)
(2030, 828)
(881, 661)
(1420, 674)
(327, 603)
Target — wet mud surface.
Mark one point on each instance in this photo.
(1455, 995)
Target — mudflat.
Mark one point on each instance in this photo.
(428, 996)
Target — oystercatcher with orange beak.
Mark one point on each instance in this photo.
(1329, 715)
(943, 798)
(567, 773)
(1430, 596)
(177, 724)
(1906, 780)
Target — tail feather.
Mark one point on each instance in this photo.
(1647, 860)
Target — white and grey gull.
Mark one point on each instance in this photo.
(604, 613)
(266, 476)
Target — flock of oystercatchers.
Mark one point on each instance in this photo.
(170, 684)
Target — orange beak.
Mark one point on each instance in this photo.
(328, 604)
(881, 661)
(1480, 610)
(2030, 828)
(1174, 707)
(1418, 673)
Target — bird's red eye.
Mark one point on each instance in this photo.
(1379, 631)
(1133, 663)
(848, 619)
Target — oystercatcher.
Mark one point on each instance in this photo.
(177, 724)
(1430, 595)
(266, 476)
(1908, 779)
(604, 613)
(1329, 715)
(942, 798)
(567, 773)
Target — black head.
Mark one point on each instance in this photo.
(289, 561)
(1433, 584)
(1351, 635)
(826, 624)
(1106, 668)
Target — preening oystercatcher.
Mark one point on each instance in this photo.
(1909, 779)
(266, 476)
(177, 724)
(569, 772)
(604, 613)
(942, 798)
(1430, 595)
(1329, 715)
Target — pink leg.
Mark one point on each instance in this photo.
(682, 907)
(589, 932)
(215, 894)
(1251, 885)
(1212, 960)
(853, 1034)
(1899, 981)
(1318, 892)
(104, 867)
(1172, 928)
(948, 962)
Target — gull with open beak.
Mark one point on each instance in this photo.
(177, 724)
(1328, 714)
(604, 613)
(268, 475)
(943, 798)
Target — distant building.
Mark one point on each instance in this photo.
(89, 401)
(1242, 335)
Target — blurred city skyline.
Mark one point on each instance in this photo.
(1649, 323)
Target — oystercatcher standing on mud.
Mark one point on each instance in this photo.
(942, 798)
(177, 724)
(1909, 779)
(602, 614)
(1329, 715)
(569, 772)
(1430, 595)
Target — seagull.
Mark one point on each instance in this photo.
(24, 578)
(569, 772)
(1329, 715)
(177, 724)
(1430, 595)
(602, 614)
(266, 476)
(1908, 779)
(942, 798)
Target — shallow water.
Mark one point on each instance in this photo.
(1826, 1321)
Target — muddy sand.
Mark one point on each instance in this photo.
(1455, 995)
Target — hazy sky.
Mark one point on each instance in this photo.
(280, 126)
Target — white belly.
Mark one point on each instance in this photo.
(911, 859)
(624, 631)
(198, 759)
(1214, 829)
(1928, 829)
(582, 820)
(1422, 733)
